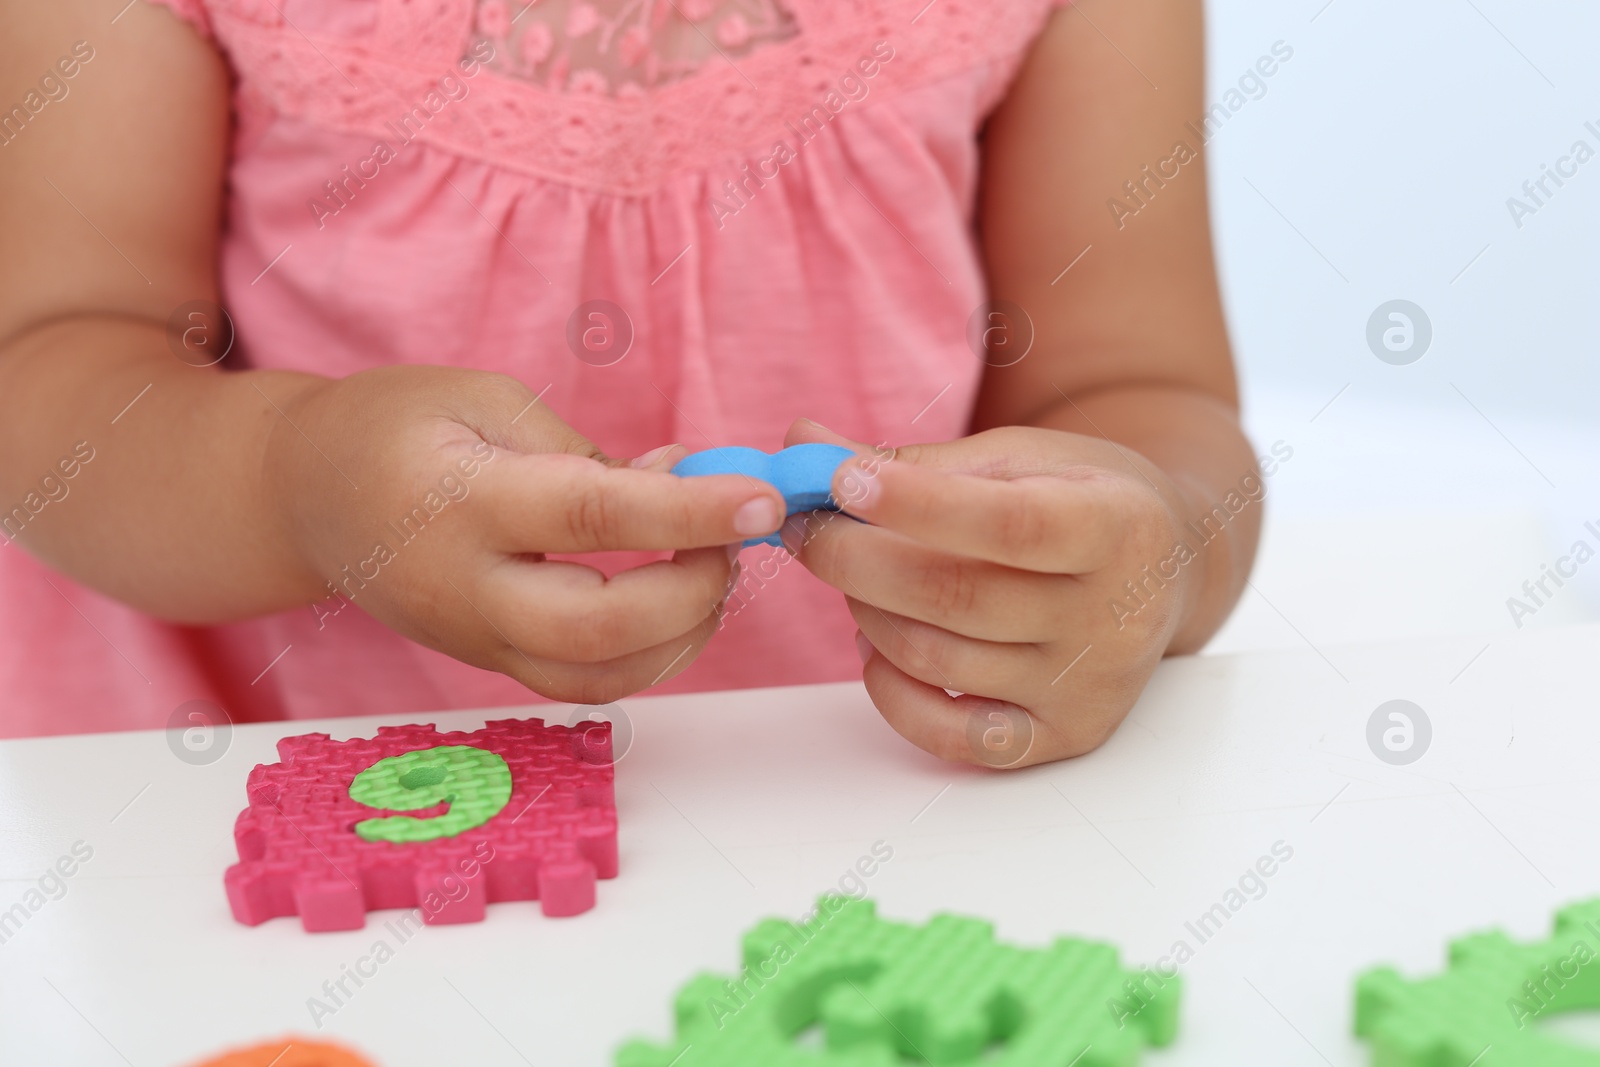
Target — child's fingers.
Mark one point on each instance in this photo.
(562, 503)
(965, 728)
(923, 714)
(997, 453)
(968, 596)
(573, 613)
(1047, 524)
(936, 656)
(943, 725)
(608, 680)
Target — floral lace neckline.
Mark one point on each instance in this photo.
(622, 48)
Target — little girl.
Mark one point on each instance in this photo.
(346, 347)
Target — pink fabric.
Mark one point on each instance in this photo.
(833, 279)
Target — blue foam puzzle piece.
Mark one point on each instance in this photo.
(802, 473)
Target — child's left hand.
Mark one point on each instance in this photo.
(990, 568)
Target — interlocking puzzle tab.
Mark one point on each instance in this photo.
(802, 473)
(515, 811)
(1482, 1010)
(880, 993)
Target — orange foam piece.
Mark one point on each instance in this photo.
(289, 1052)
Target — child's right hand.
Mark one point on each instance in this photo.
(430, 496)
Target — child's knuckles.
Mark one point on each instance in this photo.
(951, 588)
(494, 400)
(1026, 527)
(686, 520)
(498, 392)
(594, 516)
(1007, 440)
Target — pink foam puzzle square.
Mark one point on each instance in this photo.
(451, 822)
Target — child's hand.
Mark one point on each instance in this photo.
(429, 497)
(990, 568)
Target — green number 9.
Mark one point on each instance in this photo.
(476, 783)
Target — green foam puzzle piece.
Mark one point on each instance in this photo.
(475, 782)
(884, 994)
(1482, 1009)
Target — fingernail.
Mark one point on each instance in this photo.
(858, 489)
(864, 647)
(758, 516)
(733, 548)
(733, 579)
(650, 457)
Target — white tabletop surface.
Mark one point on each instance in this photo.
(738, 805)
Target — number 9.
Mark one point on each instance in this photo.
(475, 783)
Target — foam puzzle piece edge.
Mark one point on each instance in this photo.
(1479, 1010)
(876, 993)
(289, 1052)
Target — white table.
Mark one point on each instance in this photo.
(739, 805)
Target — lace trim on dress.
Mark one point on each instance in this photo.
(426, 67)
(623, 48)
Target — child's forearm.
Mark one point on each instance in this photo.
(1196, 440)
(1123, 316)
(141, 476)
(121, 465)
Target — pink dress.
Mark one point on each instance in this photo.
(774, 203)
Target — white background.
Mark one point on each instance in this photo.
(1391, 141)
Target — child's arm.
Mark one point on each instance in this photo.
(201, 495)
(1134, 333)
(1000, 565)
